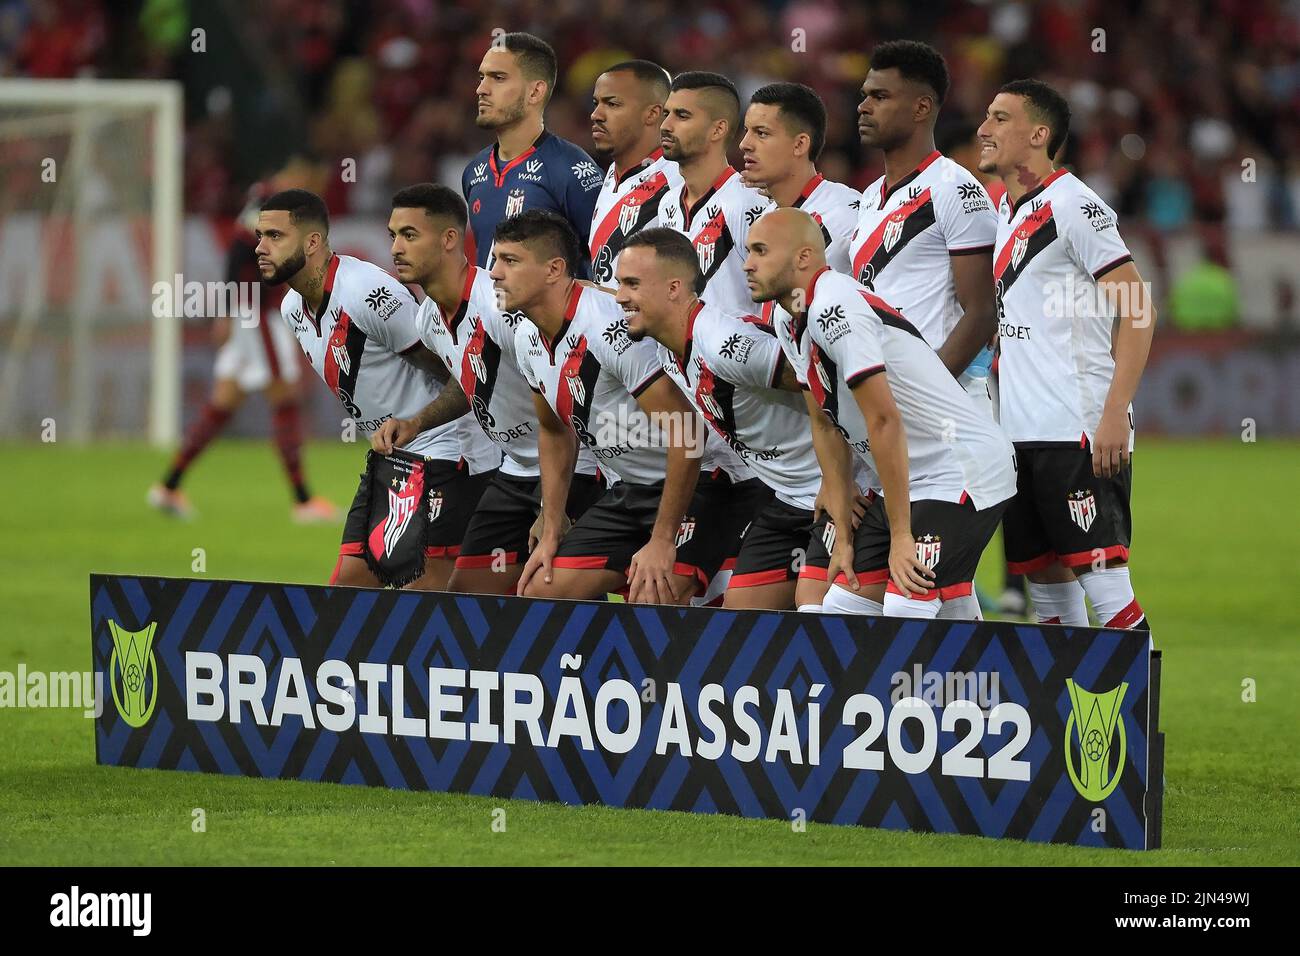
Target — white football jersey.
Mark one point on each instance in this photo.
(625, 206)
(477, 344)
(836, 207)
(718, 226)
(591, 375)
(367, 320)
(1054, 328)
(906, 234)
(730, 372)
(848, 334)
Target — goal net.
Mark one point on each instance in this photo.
(90, 232)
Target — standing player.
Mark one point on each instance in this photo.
(714, 208)
(946, 469)
(1064, 277)
(737, 378)
(785, 130)
(629, 106)
(461, 324)
(256, 358)
(527, 167)
(356, 323)
(670, 519)
(924, 239)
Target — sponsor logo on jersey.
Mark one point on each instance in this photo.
(927, 550)
(533, 166)
(1083, 508)
(587, 171)
(736, 348)
(615, 335)
(1098, 218)
(382, 302)
(514, 203)
(751, 215)
(834, 324)
(973, 197)
(401, 506)
(480, 175)
(685, 531)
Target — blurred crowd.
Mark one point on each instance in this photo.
(1185, 113)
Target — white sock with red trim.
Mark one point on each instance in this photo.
(1111, 594)
(898, 606)
(965, 608)
(1059, 603)
(840, 600)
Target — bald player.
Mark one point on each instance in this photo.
(714, 208)
(946, 470)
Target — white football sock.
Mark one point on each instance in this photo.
(840, 600)
(1059, 603)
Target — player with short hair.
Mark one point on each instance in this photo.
(666, 525)
(785, 130)
(1064, 278)
(356, 324)
(527, 167)
(924, 237)
(461, 324)
(739, 381)
(714, 208)
(628, 108)
(946, 470)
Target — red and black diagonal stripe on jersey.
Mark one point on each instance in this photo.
(342, 363)
(716, 396)
(478, 373)
(576, 389)
(823, 374)
(1035, 233)
(630, 215)
(891, 236)
(891, 316)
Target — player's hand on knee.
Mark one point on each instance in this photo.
(540, 561)
(650, 575)
(842, 563)
(860, 505)
(539, 526)
(908, 574)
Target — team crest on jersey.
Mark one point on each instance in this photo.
(828, 536)
(435, 505)
(705, 251)
(1083, 508)
(627, 217)
(685, 532)
(477, 365)
(401, 507)
(341, 358)
(822, 376)
(927, 550)
(710, 404)
(894, 230)
(514, 203)
(577, 390)
(1018, 249)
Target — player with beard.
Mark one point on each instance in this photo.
(924, 237)
(1076, 323)
(667, 524)
(714, 208)
(785, 130)
(356, 324)
(629, 106)
(527, 167)
(461, 324)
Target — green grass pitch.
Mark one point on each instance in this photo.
(1215, 565)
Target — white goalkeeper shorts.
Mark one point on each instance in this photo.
(254, 355)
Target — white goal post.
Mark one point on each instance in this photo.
(91, 213)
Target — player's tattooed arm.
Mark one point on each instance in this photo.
(1135, 324)
(557, 452)
(450, 405)
(889, 448)
(650, 574)
(422, 358)
(979, 310)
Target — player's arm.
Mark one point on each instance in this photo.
(889, 448)
(650, 573)
(838, 495)
(450, 405)
(422, 358)
(557, 452)
(1136, 323)
(972, 275)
